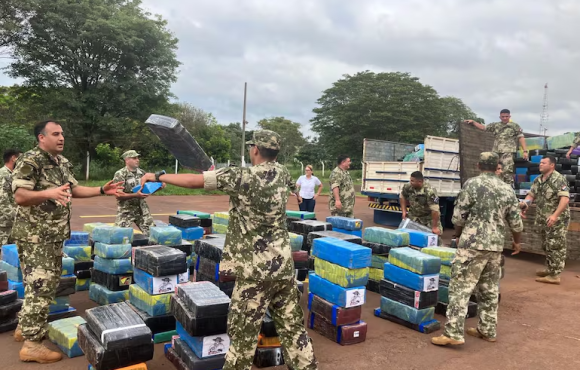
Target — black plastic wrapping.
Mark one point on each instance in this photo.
(184, 221)
(206, 222)
(175, 359)
(269, 357)
(204, 299)
(377, 248)
(140, 240)
(208, 267)
(197, 327)
(7, 297)
(441, 309)
(8, 310)
(225, 286)
(301, 274)
(160, 260)
(179, 142)
(114, 283)
(8, 324)
(66, 286)
(426, 329)
(210, 248)
(290, 220)
(305, 227)
(443, 282)
(374, 286)
(185, 246)
(3, 281)
(82, 269)
(408, 296)
(301, 265)
(118, 316)
(332, 234)
(71, 312)
(268, 327)
(195, 363)
(157, 324)
(332, 313)
(113, 359)
(311, 263)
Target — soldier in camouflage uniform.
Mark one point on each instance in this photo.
(131, 207)
(7, 204)
(552, 195)
(507, 134)
(257, 253)
(423, 204)
(486, 208)
(574, 145)
(43, 184)
(342, 195)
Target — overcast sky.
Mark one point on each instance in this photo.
(491, 54)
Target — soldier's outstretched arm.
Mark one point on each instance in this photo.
(109, 188)
(475, 124)
(183, 180)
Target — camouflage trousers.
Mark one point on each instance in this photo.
(508, 167)
(5, 235)
(344, 212)
(250, 300)
(478, 271)
(427, 221)
(554, 244)
(41, 268)
(141, 216)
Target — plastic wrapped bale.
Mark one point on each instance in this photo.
(343, 253)
(210, 248)
(445, 272)
(103, 296)
(66, 286)
(154, 305)
(377, 248)
(77, 238)
(378, 261)
(113, 282)
(441, 309)
(111, 360)
(10, 309)
(422, 283)
(343, 334)
(82, 284)
(157, 324)
(200, 215)
(225, 286)
(268, 328)
(118, 326)
(8, 324)
(296, 242)
(392, 238)
(335, 294)
(443, 295)
(190, 233)
(446, 254)
(208, 346)
(10, 255)
(412, 225)
(221, 218)
(269, 357)
(197, 327)
(89, 227)
(300, 259)
(421, 239)
(7, 297)
(332, 313)
(185, 246)
(113, 267)
(307, 226)
(68, 266)
(17, 286)
(405, 312)
(415, 261)
(172, 356)
(166, 235)
(160, 260)
(331, 234)
(14, 273)
(79, 253)
(184, 221)
(357, 233)
(344, 277)
(83, 269)
(346, 223)
(3, 280)
(427, 327)
(408, 296)
(208, 267)
(301, 215)
(140, 240)
(204, 299)
(375, 274)
(64, 333)
(220, 229)
(113, 251)
(373, 286)
(560, 141)
(193, 362)
(112, 234)
(158, 285)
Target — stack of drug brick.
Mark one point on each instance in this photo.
(201, 311)
(114, 337)
(337, 290)
(60, 307)
(292, 216)
(209, 254)
(191, 230)
(221, 221)
(205, 220)
(303, 228)
(346, 225)
(113, 272)
(79, 248)
(83, 270)
(380, 241)
(10, 305)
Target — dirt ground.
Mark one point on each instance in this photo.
(538, 324)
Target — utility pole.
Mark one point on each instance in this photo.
(243, 164)
(545, 115)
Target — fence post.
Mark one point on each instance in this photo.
(322, 168)
(88, 165)
(176, 165)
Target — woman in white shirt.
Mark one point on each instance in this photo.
(307, 184)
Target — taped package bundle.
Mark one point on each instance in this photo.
(82, 270)
(445, 272)
(190, 233)
(7, 296)
(113, 251)
(192, 361)
(405, 312)
(157, 324)
(412, 225)
(184, 221)
(300, 259)
(392, 238)
(332, 234)
(208, 268)
(446, 254)
(204, 347)
(64, 333)
(375, 274)
(10, 305)
(269, 357)
(160, 260)
(103, 296)
(210, 248)
(378, 261)
(79, 253)
(112, 234)
(296, 241)
(165, 235)
(343, 253)
(342, 276)
(225, 286)
(305, 227)
(185, 246)
(89, 227)
(154, 305)
(113, 266)
(343, 334)
(59, 304)
(301, 215)
(345, 223)
(426, 327)
(221, 218)
(332, 313)
(158, 285)
(68, 266)
(140, 240)
(415, 261)
(421, 239)
(66, 286)
(78, 238)
(408, 296)
(335, 294)
(421, 283)
(82, 285)
(377, 248)
(113, 282)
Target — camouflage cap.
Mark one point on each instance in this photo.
(130, 154)
(265, 139)
(488, 158)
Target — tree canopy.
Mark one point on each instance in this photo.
(292, 138)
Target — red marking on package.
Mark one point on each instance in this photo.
(417, 296)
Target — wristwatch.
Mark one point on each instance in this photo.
(158, 175)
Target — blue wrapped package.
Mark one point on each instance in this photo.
(345, 223)
(421, 239)
(407, 313)
(59, 304)
(343, 297)
(79, 253)
(112, 234)
(166, 235)
(103, 296)
(392, 238)
(113, 251)
(343, 253)
(149, 188)
(114, 267)
(10, 255)
(522, 171)
(191, 233)
(154, 305)
(158, 285)
(82, 285)
(212, 345)
(422, 283)
(68, 266)
(358, 233)
(78, 238)
(14, 273)
(415, 261)
(296, 241)
(17, 286)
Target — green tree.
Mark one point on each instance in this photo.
(13, 17)
(292, 138)
(15, 136)
(456, 112)
(312, 153)
(234, 133)
(215, 142)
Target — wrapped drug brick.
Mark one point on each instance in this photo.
(210, 248)
(59, 315)
(408, 296)
(190, 233)
(346, 223)
(157, 324)
(89, 227)
(269, 357)
(113, 282)
(198, 214)
(14, 273)
(441, 309)
(220, 229)
(405, 312)
(357, 233)
(445, 272)
(377, 248)
(422, 283)
(113, 251)
(204, 299)
(208, 267)
(375, 274)
(204, 347)
(443, 294)
(102, 359)
(154, 305)
(289, 221)
(221, 218)
(112, 234)
(82, 285)
(446, 254)
(64, 334)
(415, 261)
(184, 221)
(268, 328)
(66, 286)
(59, 304)
(165, 235)
(193, 362)
(158, 285)
(113, 267)
(344, 277)
(160, 260)
(68, 266)
(301, 215)
(332, 234)
(17, 286)
(343, 334)
(77, 238)
(10, 255)
(197, 327)
(373, 286)
(378, 261)
(172, 356)
(392, 238)
(225, 286)
(305, 227)
(407, 224)
(185, 246)
(141, 366)
(421, 239)
(10, 309)
(83, 266)
(427, 327)
(7, 297)
(343, 253)
(140, 240)
(3, 280)
(79, 253)
(335, 294)
(104, 296)
(332, 313)
(296, 241)
(8, 324)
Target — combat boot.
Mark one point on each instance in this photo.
(36, 352)
(442, 340)
(549, 280)
(475, 333)
(18, 335)
(542, 273)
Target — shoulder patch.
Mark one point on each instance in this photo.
(26, 169)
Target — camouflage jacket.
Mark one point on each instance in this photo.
(421, 202)
(576, 141)
(49, 221)
(7, 204)
(257, 244)
(486, 208)
(506, 136)
(131, 179)
(341, 179)
(547, 196)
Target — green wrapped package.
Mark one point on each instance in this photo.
(376, 274)
(221, 218)
(342, 276)
(104, 296)
(415, 261)
(154, 305)
(443, 294)
(301, 215)
(201, 215)
(220, 229)
(445, 272)
(296, 241)
(378, 261)
(446, 254)
(392, 238)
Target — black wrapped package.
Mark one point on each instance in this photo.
(185, 246)
(83, 269)
(83, 274)
(197, 327)
(305, 227)
(7, 297)
(206, 222)
(114, 283)
(301, 274)
(8, 324)
(118, 326)
(3, 281)
(374, 286)
(332, 234)
(160, 260)
(184, 221)
(377, 248)
(210, 248)
(204, 299)
(110, 360)
(66, 286)
(157, 324)
(301, 265)
(225, 286)
(408, 296)
(8, 310)
(311, 260)
(208, 267)
(140, 240)
(290, 220)
(269, 357)
(441, 309)
(195, 363)
(175, 359)
(268, 327)
(426, 327)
